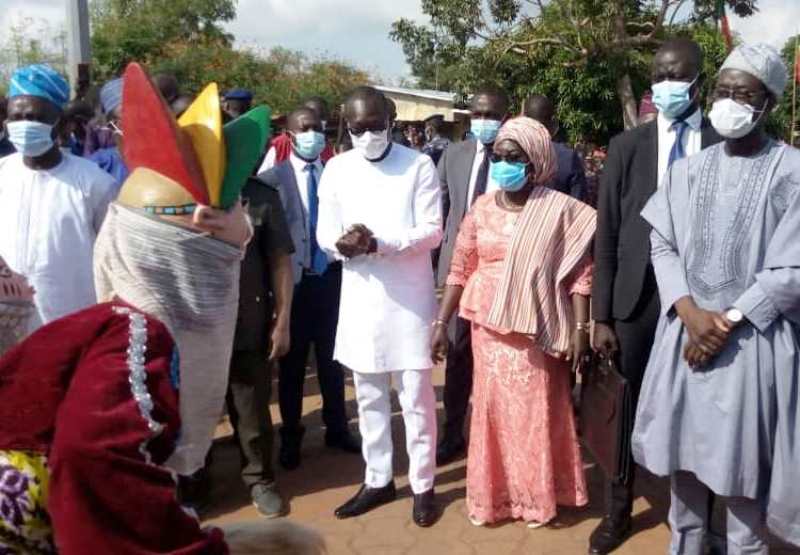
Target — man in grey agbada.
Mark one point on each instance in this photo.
(718, 410)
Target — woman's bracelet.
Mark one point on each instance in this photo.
(583, 326)
(440, 322)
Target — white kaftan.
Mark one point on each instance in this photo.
(388, 300)
(49, 220)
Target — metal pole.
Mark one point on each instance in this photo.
(78, 45)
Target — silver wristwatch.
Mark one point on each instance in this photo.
(734, 316)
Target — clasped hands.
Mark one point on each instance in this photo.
(356, 241)
(708, 332)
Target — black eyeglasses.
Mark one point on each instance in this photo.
(742, 96)
(358, 131)
(513, 158)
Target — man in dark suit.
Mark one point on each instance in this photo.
(436, 143)
(315, 310)
(571, 177)
(265, 291)
(625, 301)
(464, 176)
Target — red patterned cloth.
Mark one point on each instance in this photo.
(77, 392)
(524, 458)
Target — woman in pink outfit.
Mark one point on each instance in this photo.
(521, 273)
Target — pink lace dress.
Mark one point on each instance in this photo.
(524, 457)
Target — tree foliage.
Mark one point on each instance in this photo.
(781, 118)
(187, 38)
(31, 41)
(591, 56)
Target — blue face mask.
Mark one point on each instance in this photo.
(309, 145)
(485, 130)
(672, 98)
(30, 138)
(509, 176)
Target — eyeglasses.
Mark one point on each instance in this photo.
(742, 96)
(513, 158)
(358, 131)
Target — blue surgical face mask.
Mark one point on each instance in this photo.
(672, 98)
(309, 145)
(30, 138)
(509, 176)
(485, 130)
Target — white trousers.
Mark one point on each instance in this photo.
(688, 519)
(418, 402)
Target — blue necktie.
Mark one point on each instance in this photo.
(678, 151)
(319, 261)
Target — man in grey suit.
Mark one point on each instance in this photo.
(464, 176)
(315, 310)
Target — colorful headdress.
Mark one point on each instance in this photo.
(176, 166)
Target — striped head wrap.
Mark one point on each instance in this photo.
(111, 95)
(42, 81)
(534, 139)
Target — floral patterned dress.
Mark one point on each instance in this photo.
(524, 458)
(24, 523)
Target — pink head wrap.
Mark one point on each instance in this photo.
(534, 139)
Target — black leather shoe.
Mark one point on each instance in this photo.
(609, 535)
(449, 450)
(425, 513)
(291, 440)
(344, 441)
(367, 499)
(193, 491)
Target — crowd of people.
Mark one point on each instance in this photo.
(160, 257)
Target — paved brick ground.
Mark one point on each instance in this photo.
(328, 478)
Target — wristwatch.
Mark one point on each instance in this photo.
(734, 316)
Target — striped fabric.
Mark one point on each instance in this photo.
(553, 235)
(40, 80)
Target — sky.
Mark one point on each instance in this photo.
(357, 31)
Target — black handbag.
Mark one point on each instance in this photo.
(606, 416)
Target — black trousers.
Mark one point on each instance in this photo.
(636, 335)
(315, 314)
(249, 389)
(458, 379)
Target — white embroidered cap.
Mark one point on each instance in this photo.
(761, 61)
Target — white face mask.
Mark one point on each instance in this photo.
(733, 120)
(371, 144)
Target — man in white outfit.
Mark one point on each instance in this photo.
(379, 211)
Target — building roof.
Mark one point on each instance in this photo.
(421, 93)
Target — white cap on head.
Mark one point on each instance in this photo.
(763, 62)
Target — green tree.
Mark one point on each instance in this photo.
(148, 30)
(187, 38)
(31, 41)
(589, 51)
(781, 123)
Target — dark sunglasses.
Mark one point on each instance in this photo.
(358, 131)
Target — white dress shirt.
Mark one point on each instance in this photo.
(491, 185)
(388, 300)
(692, 140)
(49, 221)
(269, 160)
